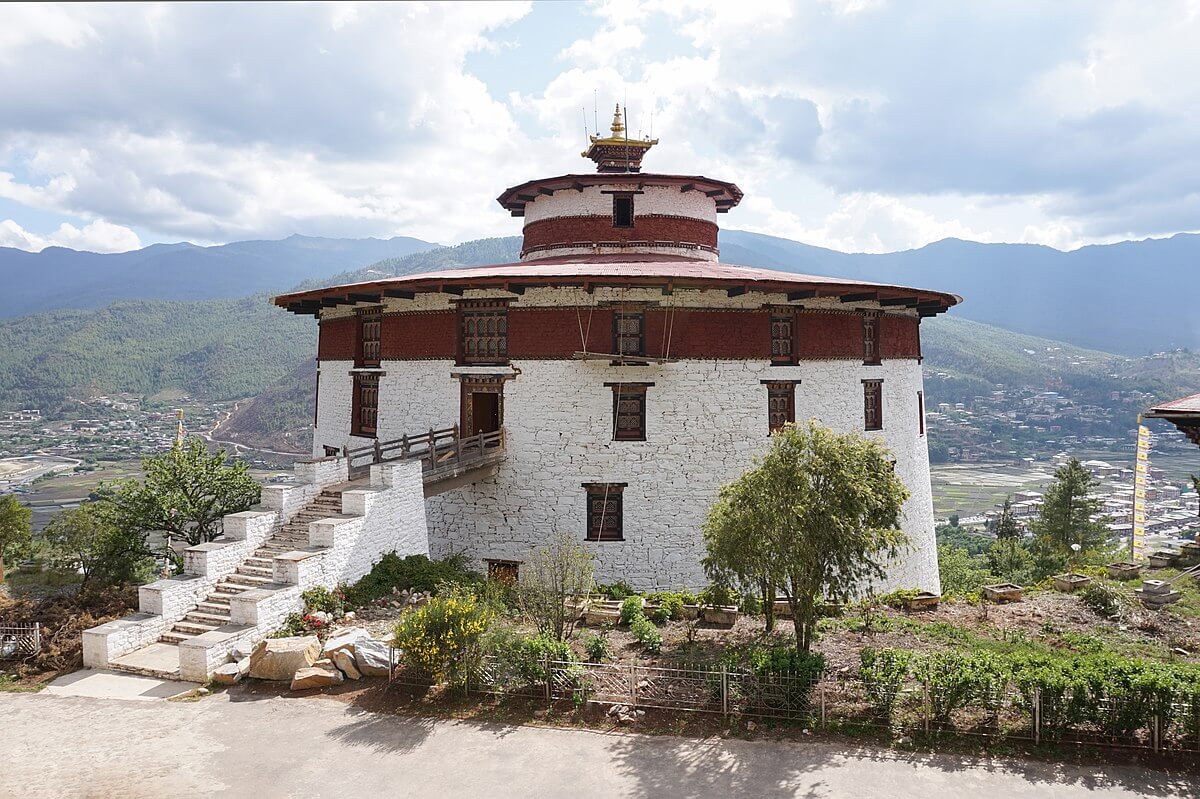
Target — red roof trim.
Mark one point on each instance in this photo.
(514, 199)
(613, 270)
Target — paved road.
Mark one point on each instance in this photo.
(267, 747)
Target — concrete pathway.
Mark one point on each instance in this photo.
(116, 685)
(246, 745)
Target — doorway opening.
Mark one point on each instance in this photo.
(482, 406)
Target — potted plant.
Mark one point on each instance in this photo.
(1124, 570)
(1003, 592)
(922, 600)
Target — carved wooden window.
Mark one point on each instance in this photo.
(366, 404)
(921, 411)
(781, 337)
(870, 329)
(629, 411)
(629, 333)
(873, 404)
(484, 331)
(605, 511)
(781, 405)
(370, 329)
(622, 210)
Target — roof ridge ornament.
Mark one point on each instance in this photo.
(617, 152)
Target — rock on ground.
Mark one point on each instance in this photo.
(316, 677)
(344, 660)
(371, 657)
(280, 658)
(344, 638)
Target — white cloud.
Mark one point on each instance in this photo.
(96, 236)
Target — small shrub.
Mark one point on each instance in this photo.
(415, 573)
(750, 604)
(321, 599)
(957, 680)
(896, 599)
(441, 637)
(597, 646)
(302, 624)
(617, 590)
(631, 608)
(718, 595)
(883, 673)
(524, 658)
(646, 634)
(670, 606)
(1105, 599)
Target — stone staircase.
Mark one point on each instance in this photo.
(255, 571)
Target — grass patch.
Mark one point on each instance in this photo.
(10, 686)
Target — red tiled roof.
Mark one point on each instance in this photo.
(1187, 405)
(630, 270)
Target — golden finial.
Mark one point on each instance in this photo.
(618, 125)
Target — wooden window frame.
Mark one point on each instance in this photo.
(495, 342)
(629, 393)
(870, 335)
(364, 414)
(621, 314)
(369, 345)
(921, 412)
(780, 390)
(619, 199)
(783, 331)
(872, 404)
(609, 523)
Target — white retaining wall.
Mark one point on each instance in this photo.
(705, 421)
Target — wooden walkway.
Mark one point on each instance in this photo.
(444, 454)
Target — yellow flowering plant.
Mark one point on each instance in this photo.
(441, 637)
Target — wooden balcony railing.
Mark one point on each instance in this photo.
(442, 452)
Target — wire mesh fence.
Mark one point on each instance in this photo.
(20, 640)
(1008, 711)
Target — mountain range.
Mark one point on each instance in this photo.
(58, 277)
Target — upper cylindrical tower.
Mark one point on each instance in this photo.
(619, 209)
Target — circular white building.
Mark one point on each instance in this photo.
(631, 372)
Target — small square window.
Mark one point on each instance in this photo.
(870, 329)
(629, 412)
(622, 210)
(781, 337)
(366, 404)
(629, 333)
(873, 404)
(605, 511)
(781, 405)
(370, 328)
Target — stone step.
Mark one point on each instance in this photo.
(247, 580)
(174, 637)
(262, 563)
(224, 590)
(208, 617)
(255, 571)
(215, 605)
(194, 627)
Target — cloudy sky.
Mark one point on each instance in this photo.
(861, 125)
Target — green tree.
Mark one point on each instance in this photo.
(185, 493)
(816, 517)
(14, 527)
(1010, 560)
(1006, 525)
(1069, 515)
(962, 573)
(554, 574)
(86, 539)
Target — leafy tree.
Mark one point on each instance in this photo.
(974, 543)
(185, 493)
(953, 520)
(962, 573)
(554, 574)
(14, 527)
(87, 539)
(1010, 560)
(817, 516)
(1067, 517)
(1006, 525)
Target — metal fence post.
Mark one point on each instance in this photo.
(821, 690)
(549, 676)
(633, 686)
(1155, 732)
(1037, 715)
(725, 690)
(927, 708)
